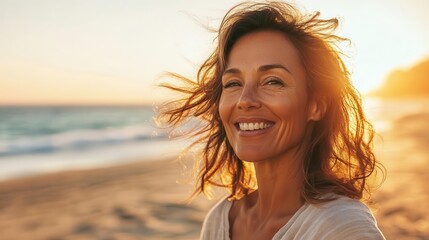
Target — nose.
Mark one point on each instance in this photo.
(248, 99)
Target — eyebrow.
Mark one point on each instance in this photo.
(262, 68)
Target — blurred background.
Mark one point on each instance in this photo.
(81, 156)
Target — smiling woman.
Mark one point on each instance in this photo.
(265, 83)
(285, 129)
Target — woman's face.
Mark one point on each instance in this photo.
(264, 105)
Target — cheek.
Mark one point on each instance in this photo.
(222, 110)
(292, 113)
(225, 108)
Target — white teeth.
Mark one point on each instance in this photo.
(253, 126)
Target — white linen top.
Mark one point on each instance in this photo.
(343, 219)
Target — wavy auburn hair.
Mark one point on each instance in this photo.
(339, 158)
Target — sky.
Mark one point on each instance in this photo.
(77, 52)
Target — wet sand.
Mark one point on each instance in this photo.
(145, 201)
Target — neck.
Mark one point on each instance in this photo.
(279, 185)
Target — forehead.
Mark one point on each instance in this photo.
(263, 47)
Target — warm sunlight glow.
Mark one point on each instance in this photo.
(88, 52)
(90, 150)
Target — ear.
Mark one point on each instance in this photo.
(317, 109)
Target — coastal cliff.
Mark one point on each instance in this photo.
(408, 83)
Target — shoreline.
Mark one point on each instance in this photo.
(27, 165)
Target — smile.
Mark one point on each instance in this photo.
(253, 126)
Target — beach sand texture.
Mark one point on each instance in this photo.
(144, 200)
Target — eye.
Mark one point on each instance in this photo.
(231, 84)
(274, 82)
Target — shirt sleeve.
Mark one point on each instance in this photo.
(349, 222)
(215, 225)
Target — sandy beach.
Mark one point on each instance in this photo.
(146, 200)
(401, 204)
(134, 201)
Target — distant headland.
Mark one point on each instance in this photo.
(410, 83)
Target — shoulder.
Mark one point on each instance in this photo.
(342, 206)
(215, 225)
(342, 218)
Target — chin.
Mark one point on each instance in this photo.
(251, 157)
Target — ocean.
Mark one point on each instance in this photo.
(35, 140)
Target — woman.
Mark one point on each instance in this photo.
(285, 132)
